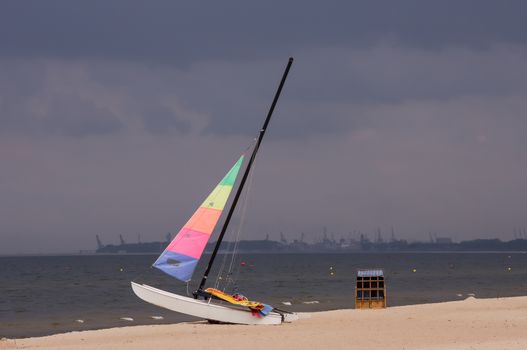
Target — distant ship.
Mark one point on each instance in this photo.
(131, 248)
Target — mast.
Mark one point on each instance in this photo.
(244, 178)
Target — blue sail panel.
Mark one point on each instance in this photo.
(177, 265)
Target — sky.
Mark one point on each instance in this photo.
(119, 117)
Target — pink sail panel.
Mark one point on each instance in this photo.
(190, 243)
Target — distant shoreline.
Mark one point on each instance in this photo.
(440, 244)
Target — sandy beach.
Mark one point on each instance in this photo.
(469, 324)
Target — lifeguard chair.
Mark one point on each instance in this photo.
(370, 292)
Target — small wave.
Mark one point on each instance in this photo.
(129, 319)
(286, 303)
(156, 317)
(310, 302)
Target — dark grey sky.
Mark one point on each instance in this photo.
(118, 117)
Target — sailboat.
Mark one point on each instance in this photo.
(181, 256)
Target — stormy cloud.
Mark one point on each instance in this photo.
(181, 33)
(119, 117)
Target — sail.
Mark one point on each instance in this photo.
(181, 256)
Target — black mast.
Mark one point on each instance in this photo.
(244, 178)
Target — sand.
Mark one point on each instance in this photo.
(469, 324)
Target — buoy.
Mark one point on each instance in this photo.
(121, 269)
(414, 270)
(509, 269)
(243, 263)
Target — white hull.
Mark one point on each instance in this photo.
(205, 309)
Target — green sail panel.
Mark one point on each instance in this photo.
(219, 196)
(230, 178)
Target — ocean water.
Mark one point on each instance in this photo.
(41, 295)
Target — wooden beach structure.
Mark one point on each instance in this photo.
(370, 290)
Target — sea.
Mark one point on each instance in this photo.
(43, 295)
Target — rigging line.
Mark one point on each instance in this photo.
(223, 262)
(244, 177)
(233, 239)
(230, 250)
(243, 216)
(233, 243)
(240, 228)
(229, 234)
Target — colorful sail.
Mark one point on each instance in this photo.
(181, 256)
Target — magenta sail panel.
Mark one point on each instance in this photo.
(189, 242)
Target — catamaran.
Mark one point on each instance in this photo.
(181, 256)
